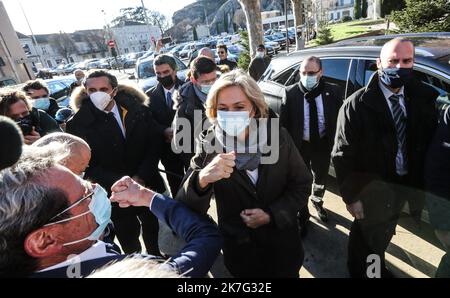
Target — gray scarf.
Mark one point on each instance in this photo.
(248, 155)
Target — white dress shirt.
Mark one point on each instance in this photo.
(116, 113)
(320, 117)
(253, 175)
(400, 164)
(96, 251)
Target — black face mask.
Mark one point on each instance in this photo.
(166, 81)
(396, 77)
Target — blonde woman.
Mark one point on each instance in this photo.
(257, 198)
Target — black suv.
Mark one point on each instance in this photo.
(351, 63)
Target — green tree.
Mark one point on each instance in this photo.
(194, 32)
(364, 9)
(357, 9)
(324, 35)
(217, 28)
(423, 16)
(244, 59)
(387, 6)
(225, 22)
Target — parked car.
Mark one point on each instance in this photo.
(60, 89)
(351, 63)
(93, 65)
(176, 50)
(275, 45)
(44, 73)
(278, 39)
(131, 59)
(7, 81)
(145, 74)
(187, 49)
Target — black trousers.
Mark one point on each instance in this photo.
(174, 167)
(128, 223)
(317, 159)
(372, 235)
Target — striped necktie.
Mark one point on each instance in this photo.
(400, 122)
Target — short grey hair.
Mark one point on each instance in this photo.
(26, 205)
(60, 137)
(135, 267)
(165, 59)
(73, 143)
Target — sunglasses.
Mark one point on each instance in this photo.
(221, 52)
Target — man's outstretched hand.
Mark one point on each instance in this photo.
(128, 192)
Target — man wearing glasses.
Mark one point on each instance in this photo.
(52, 222)
(222, 50)
(309, 112)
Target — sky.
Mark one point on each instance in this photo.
(52, 16)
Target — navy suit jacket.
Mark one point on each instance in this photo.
(203, 242)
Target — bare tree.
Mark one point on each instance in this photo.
(63, 45)
(252, 10)
(297, 8)
(158, 19)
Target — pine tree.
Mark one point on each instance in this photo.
(364, 9)
(244, 59)
(194, 33)
(217, 28)
(324, 35)
(387, 6)
(423, 16)
(225, 22)
(357, 9)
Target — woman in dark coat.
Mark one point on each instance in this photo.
(257, 194)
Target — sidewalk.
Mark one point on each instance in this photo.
(414, 252)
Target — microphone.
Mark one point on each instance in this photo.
(11, 146)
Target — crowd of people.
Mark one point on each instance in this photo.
(80, 185)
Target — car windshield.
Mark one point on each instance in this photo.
(146, 70)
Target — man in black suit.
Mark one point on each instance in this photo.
(162, 108)
(382, 136)
(115, 121)
(309, 112)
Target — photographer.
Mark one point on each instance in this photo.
(34, 123)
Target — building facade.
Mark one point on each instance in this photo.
(60, 48)
(332, 10)
(14, 65)
(132, 37)
(274, 19)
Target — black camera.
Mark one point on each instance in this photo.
(26, 125)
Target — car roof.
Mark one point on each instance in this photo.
(434, 48)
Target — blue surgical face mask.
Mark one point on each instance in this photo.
(233, 123)
(100, 207)
(42, 103)
(205, 88)
(309, 82)
(396, 77)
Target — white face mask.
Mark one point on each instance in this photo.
(233, 123)
(100, 99)
(42, 103)
(309, 82)
(259, 54)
